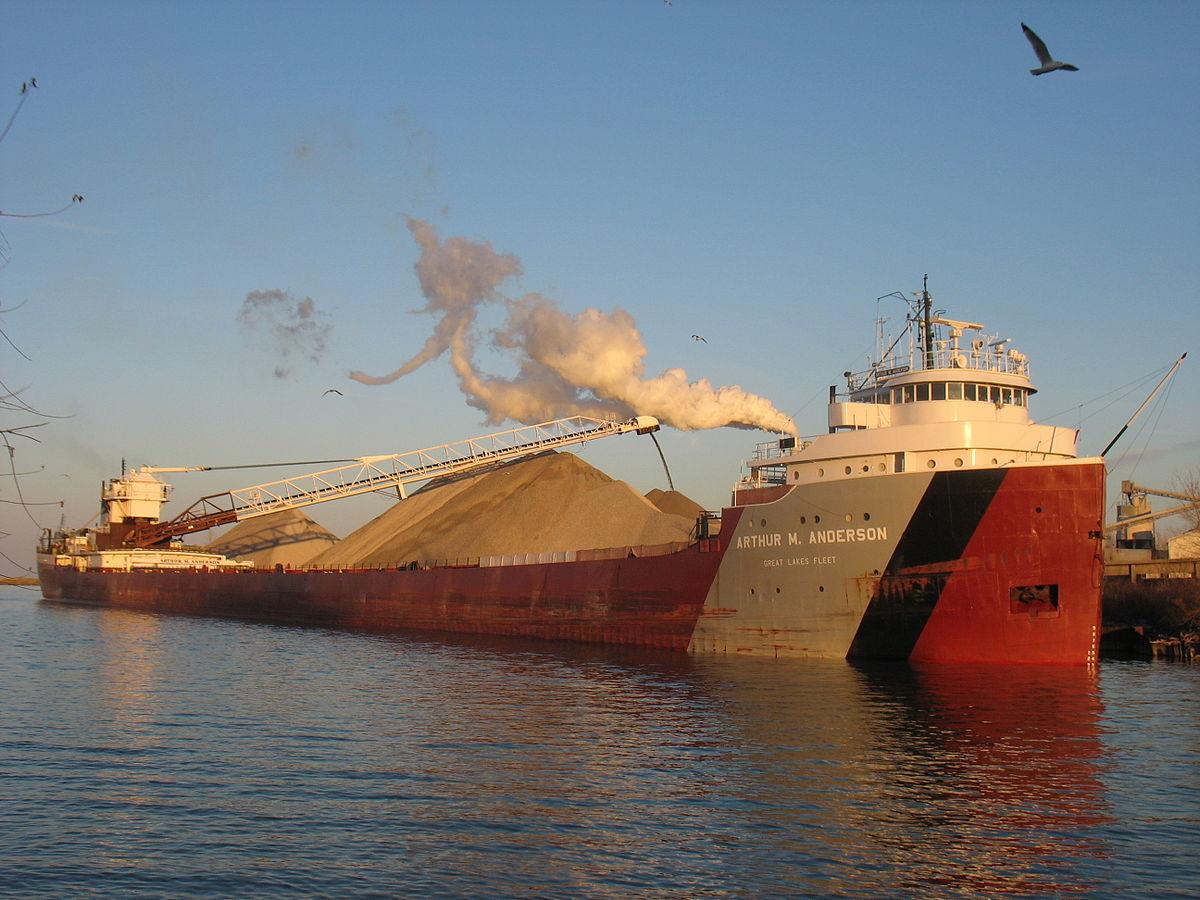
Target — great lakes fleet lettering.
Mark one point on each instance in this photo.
(799, 561)
(818, 536)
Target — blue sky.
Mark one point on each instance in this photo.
(755, 172)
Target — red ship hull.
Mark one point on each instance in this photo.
(649, 601)
(1000, 565)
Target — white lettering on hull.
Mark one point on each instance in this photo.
(799, 561)
(759, 541)
(821, 536)
(847, 535)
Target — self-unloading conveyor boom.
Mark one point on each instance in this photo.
(374, 473)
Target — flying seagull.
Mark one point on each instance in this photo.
(1049, 64)
(696, 337)
(33, 82)
(334, 391)
(77, 198)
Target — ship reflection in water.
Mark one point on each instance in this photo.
(229, 758)
(824, 777)
(945, 779)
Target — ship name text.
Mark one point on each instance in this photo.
(816, 536)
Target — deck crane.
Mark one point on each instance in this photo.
(367, 474)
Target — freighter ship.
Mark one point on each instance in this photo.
(935, 521)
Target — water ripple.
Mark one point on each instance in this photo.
(184, 757)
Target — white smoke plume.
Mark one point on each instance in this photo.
(456, 276)
(294, 325)
(586, 364)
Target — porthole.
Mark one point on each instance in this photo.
(777, 590)
(995, 462)
(882, 467)
(866, 467)
(866, 517)
(816, 520)
(751, 592)
(762, 522)
(821, 588)
(848, 470)
(802, 520)
(820, 473)
(795, 474)
(958, 462)
(932, 464)
(1037, 509)
(849, 518)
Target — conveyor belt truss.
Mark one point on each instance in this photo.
(375, 473)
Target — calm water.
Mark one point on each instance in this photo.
(175, 756)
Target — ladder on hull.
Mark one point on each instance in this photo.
(375, 473)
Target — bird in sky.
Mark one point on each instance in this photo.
(696, 337)
(33, 82)
(77, 198)
(334, 391)
(24, 86)
(1048, 63)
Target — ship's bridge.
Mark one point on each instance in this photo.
(950, 381)
(942, 401)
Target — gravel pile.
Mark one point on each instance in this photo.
(288, 537)
(549, 503)
(675, 503)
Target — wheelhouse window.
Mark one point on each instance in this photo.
(938, 390)
(1008, 398)
(908, 393)
(969, 391)
(954, 391)
(1019, 397)
(922, 392)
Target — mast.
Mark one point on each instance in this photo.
(927, 303)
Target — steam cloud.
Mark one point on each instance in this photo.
(585, 364)
(294, 325)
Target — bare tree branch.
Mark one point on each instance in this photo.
(4, 335)
(12, 466)
(19, 432)
(11, 395)
(1188, 482)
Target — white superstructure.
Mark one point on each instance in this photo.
(948, 397)
(136, 495)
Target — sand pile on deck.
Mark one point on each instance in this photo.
(288, 537)
(550, 503)
(675, 503)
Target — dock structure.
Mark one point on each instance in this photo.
(1153, 568)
